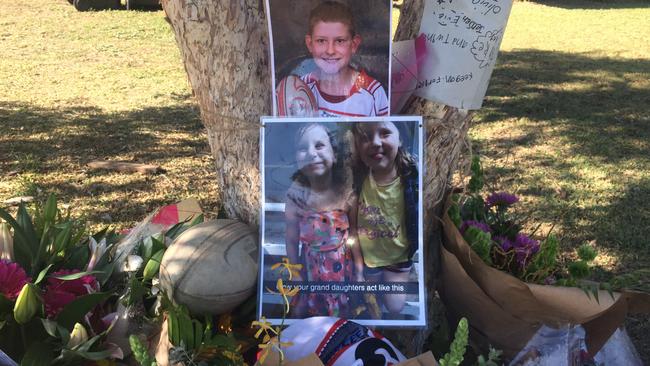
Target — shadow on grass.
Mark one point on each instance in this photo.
(594, 4)
(36, 138)
(593, 100)
(40, 143)
(597, 108)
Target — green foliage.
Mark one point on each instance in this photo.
(480, 241)
(194, 340)
(477, 179)
(544, 263)
(579, 269)
(638, 280)
(454, 211)
(492, 360)
(473, 208)
(140, 352)
(458, 347)
(587, 253)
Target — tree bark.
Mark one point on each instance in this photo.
(224, 46)
(225, 52)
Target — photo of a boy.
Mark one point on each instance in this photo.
(344, 78)
(339, 89)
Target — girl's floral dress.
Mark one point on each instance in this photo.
(327, 258)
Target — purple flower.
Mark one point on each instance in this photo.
(477, 224)
(525, 247)
(505, 243)
(501, 199)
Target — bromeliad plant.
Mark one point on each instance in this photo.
(52, 286)
(494, 232)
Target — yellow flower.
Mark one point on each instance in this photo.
(293, 269)
(285, 293)
(265, 327)
(273, 344)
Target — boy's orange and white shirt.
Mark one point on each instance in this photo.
(366, 98)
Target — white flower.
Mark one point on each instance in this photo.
(155, 286)
(132, 263)
(6, 243)
(97, 250)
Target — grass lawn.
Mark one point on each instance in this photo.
(75, 87)
(566, 123)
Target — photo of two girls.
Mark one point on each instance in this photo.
(341, 177)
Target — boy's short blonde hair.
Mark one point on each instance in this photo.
(332, 11)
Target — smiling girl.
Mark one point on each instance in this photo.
(318, 219)
(387, 219)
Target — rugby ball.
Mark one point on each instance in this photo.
(294, 99)
(212, 267)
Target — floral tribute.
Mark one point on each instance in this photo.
(53, 281)
(494, 231)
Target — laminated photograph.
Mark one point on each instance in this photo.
(341, 220)
(330, 58)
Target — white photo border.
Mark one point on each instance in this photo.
(421, 321)
(267, 10)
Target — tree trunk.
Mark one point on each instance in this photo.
(224, 46)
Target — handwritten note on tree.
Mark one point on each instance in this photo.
(457, 49)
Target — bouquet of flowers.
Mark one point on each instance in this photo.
(496, 235)
(53, 288)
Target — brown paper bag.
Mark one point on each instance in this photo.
(505, 312)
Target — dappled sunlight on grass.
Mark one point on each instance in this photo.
(566, 125)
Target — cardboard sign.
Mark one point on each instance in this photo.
(457, 49)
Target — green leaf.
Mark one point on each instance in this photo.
(23, 252)
(153, 265)
(78, 257)
(38, 354)
(135, 291)
(92, 356)
(105, 266)
(79, 307)
(49, 211)
(147, 248)
(87, 344)
(42, 274)
(6, 305)
(158, 244)
(62, 240)
(27, 226)
(55, 330)
(74, 276)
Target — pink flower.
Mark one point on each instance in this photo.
(59, 293)
(12, 279)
